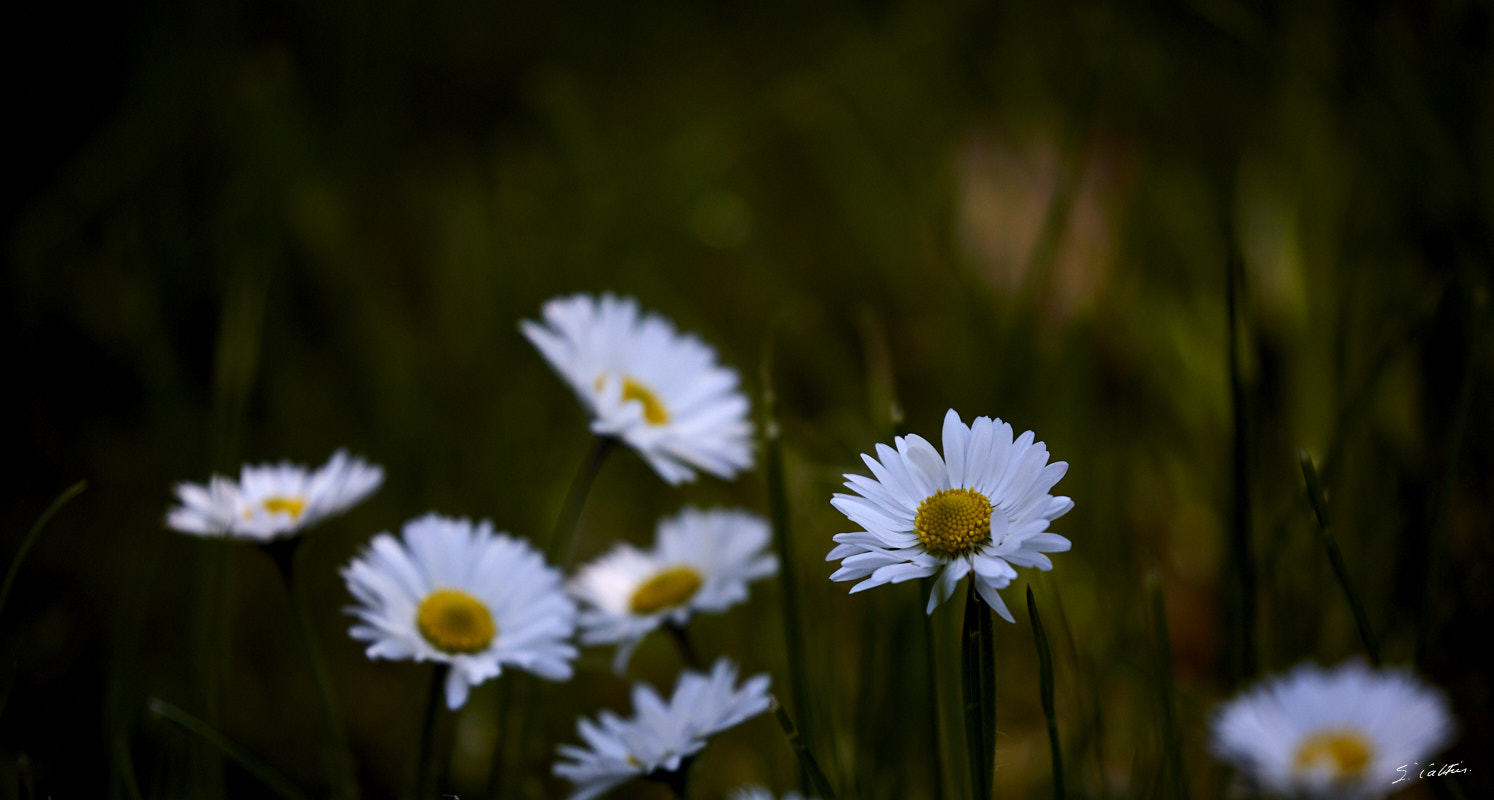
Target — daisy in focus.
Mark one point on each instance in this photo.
(701, 562)
(981, 509)
(461, 595)
(659, 390)
(660, 737)
(1338, 733)
(273, 501)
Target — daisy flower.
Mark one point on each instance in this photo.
(273, 501)
(659, 390)
(701, 562)
(284, 499)
(759, 793)
(209, 510)
(459, 594)
(661, 735)
(981, 509)
(1339, 733)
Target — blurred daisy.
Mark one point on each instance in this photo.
(759, 793)
(701, 562)
(660, 391)
(272, 501)
(662, 735)
(209, 510)
(460, 594)
(284, 499)
(1337, 733)
(981, 509)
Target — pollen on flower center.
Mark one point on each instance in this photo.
(653, 410)
(1344, 753)
(455, 622)
(669, 588)
(279, 504)
(953, 522)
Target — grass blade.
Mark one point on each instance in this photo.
(778, 517)
(801, 749)
(1175, 782)
(980, 713)
(263, 773)
(34, 534)
(1336, 558)
(558, 551)
(1045, 685)
(1241, 558)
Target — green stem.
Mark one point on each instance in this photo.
(687, 648)
(1336, 558)
(1241, 555)
(263, 773)
(1045, 684)
(1172, 741)
(807, 760)
(561, 539)
(778, 516)
(424, 774)
(283, 553)
(980, 710)
(937, 757)
(34, 534)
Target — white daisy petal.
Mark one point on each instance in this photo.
(980, 509)
(658, 390)
(274, 501)
(462, 595)
(661, 734)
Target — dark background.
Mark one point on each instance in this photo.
(261, 231)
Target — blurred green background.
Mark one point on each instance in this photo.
(248, 232)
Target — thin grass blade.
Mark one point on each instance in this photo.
(262, 772)
(34, 534)
(1335, 557)
(1045, 686)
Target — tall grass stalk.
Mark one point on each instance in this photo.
(1045, 687)
(33, 535)
(558, 551)
(938, 756)
(272, 780)
(1335, 557)
(778, 517)
(807, 762)
(1242, 558)
(424, 775)
(1451, 449)
(978, 673)
(1175, 780)
(283, 553)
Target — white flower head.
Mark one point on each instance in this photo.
(701, 562)
(459, 594)
(273, 501)
(981, 509)
(1333, 733)
(660, 735)
(759, 793)
(659, 390)
(209, 510)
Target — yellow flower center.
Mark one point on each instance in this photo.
(1346, 754)
(667, 589)
(455, 622)
(953, 522)
(654, 412)
(283, 505)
